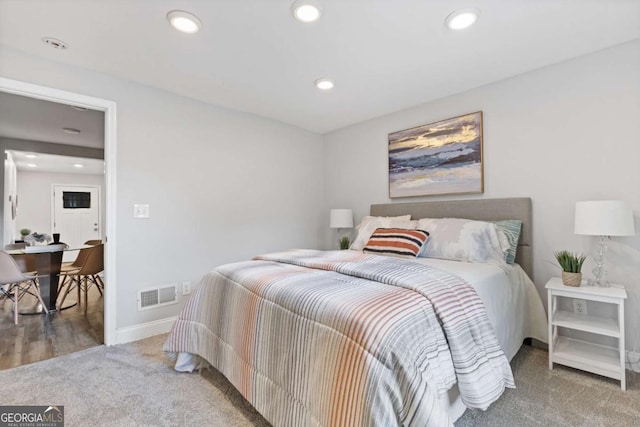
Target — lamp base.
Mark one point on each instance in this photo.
(599, 270)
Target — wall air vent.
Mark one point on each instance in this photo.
(157, 297)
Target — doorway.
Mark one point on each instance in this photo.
(17, 87)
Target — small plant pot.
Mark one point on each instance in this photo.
(571, 279)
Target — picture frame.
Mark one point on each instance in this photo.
(439, 158)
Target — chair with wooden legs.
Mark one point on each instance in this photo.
(26, 264)
(15, 284)
(85, 276)
(69, 268)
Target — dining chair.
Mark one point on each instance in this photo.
(26, 263)
(67, 268)
(14, 284)
(86, 275)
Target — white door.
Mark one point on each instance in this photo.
(76, 214)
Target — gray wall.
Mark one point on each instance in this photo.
(560, 134)
(222, 185)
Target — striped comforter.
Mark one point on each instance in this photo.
(342, 338)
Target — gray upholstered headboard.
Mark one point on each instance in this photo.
(479, 209)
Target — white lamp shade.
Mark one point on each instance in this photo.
(341, 218)
(604, 218)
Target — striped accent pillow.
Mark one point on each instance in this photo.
(396, 241)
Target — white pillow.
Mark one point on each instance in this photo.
(369, 224)
(463, 240)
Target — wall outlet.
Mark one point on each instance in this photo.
(580, 306)
(186, 288)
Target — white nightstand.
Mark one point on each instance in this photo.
(588, 356)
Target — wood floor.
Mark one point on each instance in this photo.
(40, 337)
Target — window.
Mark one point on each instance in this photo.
(76, 200)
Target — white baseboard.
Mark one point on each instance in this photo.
(144, 330)
(633, 361)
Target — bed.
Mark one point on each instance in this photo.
(352, 338)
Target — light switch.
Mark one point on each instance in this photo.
(141, 211)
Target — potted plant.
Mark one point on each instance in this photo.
(571, 264)
(25, 232)
(344, 243)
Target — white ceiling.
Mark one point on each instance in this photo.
(38, 120)
(251, 55)
(57, 164)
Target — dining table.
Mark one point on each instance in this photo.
(48, 262)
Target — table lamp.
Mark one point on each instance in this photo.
(604, 218)
(341, 218)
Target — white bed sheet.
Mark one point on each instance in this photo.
(513, 306)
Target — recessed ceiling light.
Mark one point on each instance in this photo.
(78, 165)
(30, 156)
(75, 107)
(324, 84)
(184, 21)
(54, 43)
(32, 165)
(306, 10)
(461, 19)
(71, 131)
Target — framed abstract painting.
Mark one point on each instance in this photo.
(444, 157)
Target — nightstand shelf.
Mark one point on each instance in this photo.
(594, 324)
(599, 359)
(580, 354)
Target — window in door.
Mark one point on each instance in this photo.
(76, 200)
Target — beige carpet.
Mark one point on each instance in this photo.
(127, 385)
(134, 384)
(562, 397)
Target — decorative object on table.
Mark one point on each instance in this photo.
(438, 158)
(25, 232)
(571, 264)
(604, 218)
(341, 219)
(37, 239)
(56, 241)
